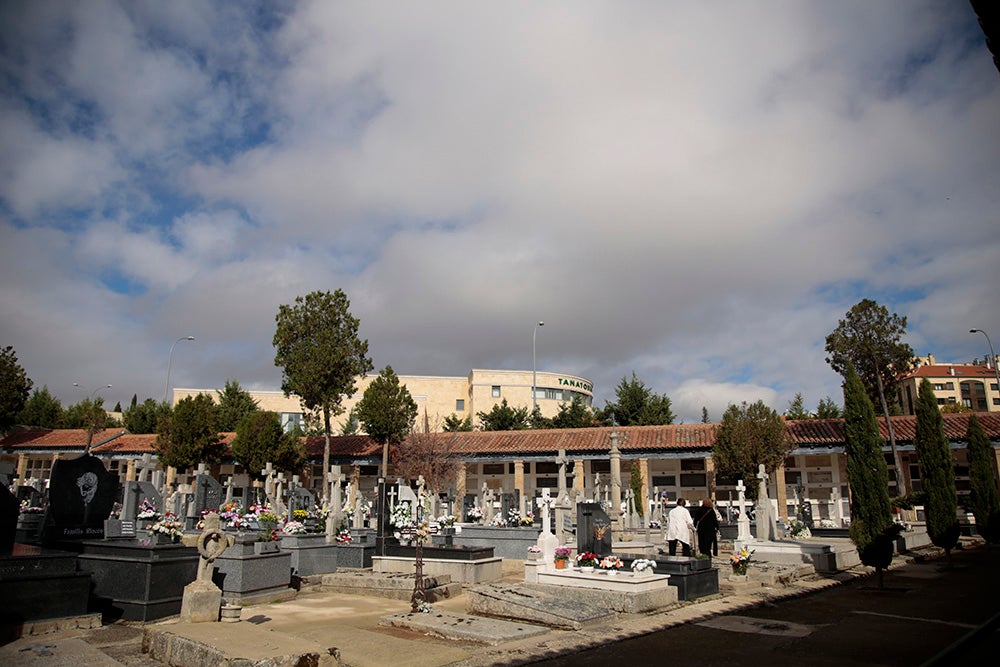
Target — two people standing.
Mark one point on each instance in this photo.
(685, 528)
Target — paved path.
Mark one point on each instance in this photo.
(843, 620)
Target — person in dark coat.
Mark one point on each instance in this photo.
(707, 526)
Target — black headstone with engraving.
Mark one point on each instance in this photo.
(9, 509)
(593, 529)
(82, 494)
(208, 494)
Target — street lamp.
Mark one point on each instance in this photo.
(170, 360)
(534, 382)
(91, 397)
(993, 359)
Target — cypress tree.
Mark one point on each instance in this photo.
(983, 498)
(937, 470)
(872, 528)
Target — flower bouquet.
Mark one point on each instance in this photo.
(170, 526)
(344, 537)
(798, 530)
(643, 566)
(147, 511)
(294, 528)
(587, 559)
(740, 560)
(475, 513)
(611, 563)
(446, 520)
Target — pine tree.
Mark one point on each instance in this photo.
(871, 510)
(937, 471)
(984, 501)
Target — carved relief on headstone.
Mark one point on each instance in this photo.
(202, 598)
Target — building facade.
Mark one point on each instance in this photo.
(973, 386)
(442, 396)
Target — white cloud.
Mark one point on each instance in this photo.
(692, 194)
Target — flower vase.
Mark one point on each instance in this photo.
(561, 564)
(612, 573)
(586, 568)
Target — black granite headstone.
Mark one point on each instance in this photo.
(9, 509)
(806, 514)
(593, 529)
(208, 494)
(133, 497)
(471, 500)
(82, 494)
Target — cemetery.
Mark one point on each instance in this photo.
(204, 547)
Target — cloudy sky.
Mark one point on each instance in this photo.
(695, 192)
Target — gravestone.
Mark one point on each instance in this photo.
(208, 494)
(767, 529)
(406, 494)
(593, 529)
(300, 498)
(471, 500)
(135, 494)
(82, 494)
(508, 501)
(9, 509)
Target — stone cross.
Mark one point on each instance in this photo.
(279, 505)
(488, 508)
(229, 489)
(202, 469)
(597, 487)
(545, 504)
(762, 483)
(268, 474)
(359, 511)
(145, 467)
(335, 509)
(743, 522)
(561, 460)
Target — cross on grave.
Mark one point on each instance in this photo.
(268, 474)
(334, 509)
(741, 498)
(545, 504)
(229, 489)
(279, 505)
(743, 522)
(762, 488)
(561, 460)
(145, 466)
(202, 469)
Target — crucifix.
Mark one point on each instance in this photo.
(268, 474)
(279, 505)
(334, 512)
(561, 461)
(743, 522)
(229, 489)
(145, 467)
(137, 492)
(545, 504)
(202, 469)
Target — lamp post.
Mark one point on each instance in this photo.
(170, 359)
(91, 396)
(534, 382)
(993, 360)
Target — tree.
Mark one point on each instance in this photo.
(15, 387)
(351, 424)
(984, 502)
(146, 416)
(428, 453)
(636, 483)
(637, 405)
(453, 423)
(260, 440)
(828, 409)
(704, 415)
(387, 412)
(317, 346)
(42, 410)
(190, 434)
(937, 471)
(504, 418)
(574, 414)
(955, 409)
(748, 436)
(537, 421)
(870, 339)
(89, 415)
(234, 405)
(796, 408)
(871, 509)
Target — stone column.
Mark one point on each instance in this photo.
(171, 476)
(780, 492)
(519, 484)
(643, 500)
(579, 478)
(22, 468)
(130, 471)
(710, 476)
(460, 487)
(616, 481)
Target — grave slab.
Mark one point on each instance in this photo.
(534, 604)
(462, 627)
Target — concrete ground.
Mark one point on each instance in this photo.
(773, 619)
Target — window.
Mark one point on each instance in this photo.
(951, 399)
(993, 386)
(290, 420)
(996, 401)
(941, 401)
(496, 391)
(459, 405)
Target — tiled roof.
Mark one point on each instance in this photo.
(676, 438)
(945, 370)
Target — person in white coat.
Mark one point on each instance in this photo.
(680, 529)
